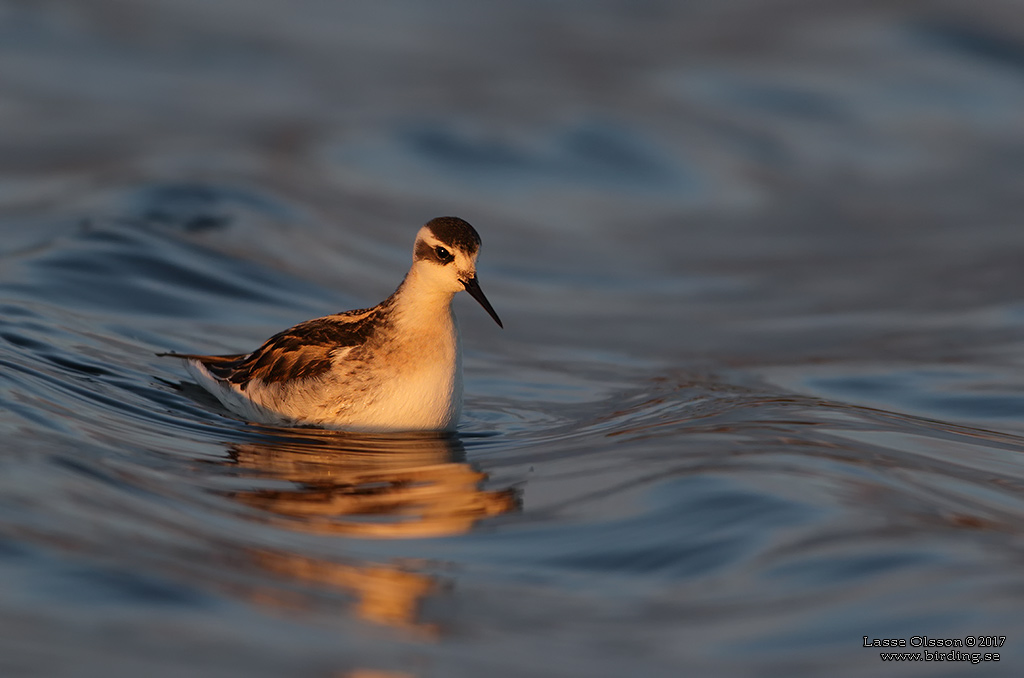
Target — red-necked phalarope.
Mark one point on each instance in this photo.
(394, 367)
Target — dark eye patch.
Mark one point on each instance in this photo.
(438, 253)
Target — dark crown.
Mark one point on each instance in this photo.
(455, 232)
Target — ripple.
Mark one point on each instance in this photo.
(127, 269)
(974, 393)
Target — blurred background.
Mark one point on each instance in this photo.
(761, 391)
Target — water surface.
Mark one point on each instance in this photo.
(760, 392)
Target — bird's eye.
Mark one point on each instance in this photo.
(442, 253)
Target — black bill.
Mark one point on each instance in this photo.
(473, 287)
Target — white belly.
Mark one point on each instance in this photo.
(428, 399)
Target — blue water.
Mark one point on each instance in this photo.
(759, 393)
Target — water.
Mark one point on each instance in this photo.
(760, 392)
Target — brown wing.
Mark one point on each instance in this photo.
(301, 352)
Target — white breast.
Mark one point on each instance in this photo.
(416, 383)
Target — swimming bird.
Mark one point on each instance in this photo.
(394, 367)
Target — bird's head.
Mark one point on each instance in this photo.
(445, 252)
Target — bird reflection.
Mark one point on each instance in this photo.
(387, 486)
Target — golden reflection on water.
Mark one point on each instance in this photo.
(396, 487)
(377, 487)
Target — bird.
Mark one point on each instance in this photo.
(394, 367)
